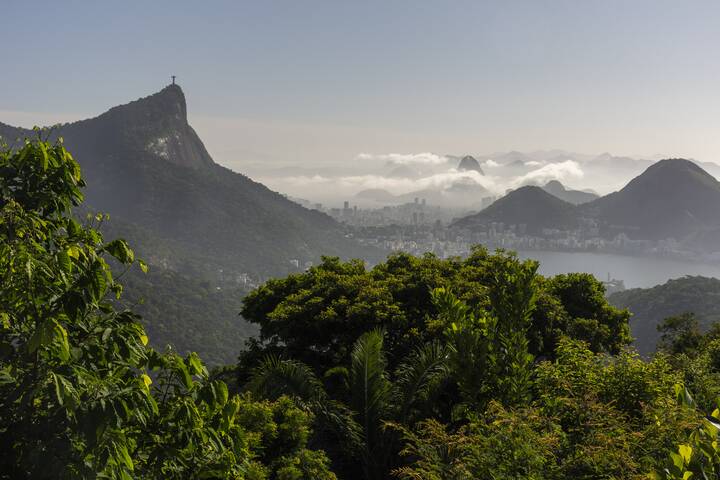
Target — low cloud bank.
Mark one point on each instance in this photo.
(436, 172)
(425, 158)
(569, 170)
(355, 183)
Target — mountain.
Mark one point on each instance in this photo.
(208, 233)
(613, 163)
(378, 195)
(576, 197)
(528, 205)
(468, 163)
(650, 306)
(710, 167)
(671, 198)
(189, 313)
(145, 164)
(511, 157)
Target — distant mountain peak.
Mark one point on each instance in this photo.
(676, 164)
(168, 102)
(156, 124)
(530, 191)
(529, 205)
(671, 198)
(469, 163)
(674, 173)
(170, 99)
(576, 197)
(553, 185)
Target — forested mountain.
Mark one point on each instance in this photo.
(530, 205)
(672, 198)
(650, 306)
(188, 313)
(576, 197)
(145, 165)
(200, 226)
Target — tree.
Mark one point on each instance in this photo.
(370, 399)
(590, 317)
(680, 334)
(316, 316)
(81, 393)
(616, 414)
(489, 349)
(699, 455)
(502, 443)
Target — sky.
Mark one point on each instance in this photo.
(277, 84)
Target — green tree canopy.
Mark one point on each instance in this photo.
(81, 393)
(316, 316)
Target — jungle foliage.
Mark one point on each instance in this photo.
(81, 393)
(422, 368)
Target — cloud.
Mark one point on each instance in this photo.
(354, 183)
(563, 171)
(426, 158)
(491, 163)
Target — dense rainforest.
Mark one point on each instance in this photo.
(419, 368)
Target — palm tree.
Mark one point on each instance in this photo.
(372, 399)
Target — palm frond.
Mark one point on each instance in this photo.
(275, 377)
(340, 420)
(369, 385)
(421, 372)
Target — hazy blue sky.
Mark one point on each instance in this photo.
(321, 81)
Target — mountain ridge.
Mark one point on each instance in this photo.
(576, 197)
(145, 164)
(672, 198)
(529, 205)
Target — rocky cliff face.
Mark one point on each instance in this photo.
(156, 124)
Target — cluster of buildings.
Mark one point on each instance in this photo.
(419, 212)
(585, 238)
(448, 241)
